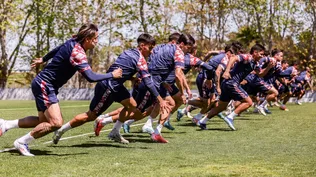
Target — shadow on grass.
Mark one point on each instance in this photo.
(216, 129)
(91, 145)
(44, 153)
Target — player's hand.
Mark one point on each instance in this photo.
(117, 73)
(208, 84)
(189, 94)
(271, 64)
(164, 107)
(36, 62)
(226, 75)
(167, 87)
(219, 91)
(184, 99)
(243, 82)
(136, 81)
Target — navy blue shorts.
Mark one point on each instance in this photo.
(232, 91)
(296, 88)
(283, 89)
(143, 97)
(104, 96)
(204, 92)
(44, 94)
(258, 86)
(175, 90)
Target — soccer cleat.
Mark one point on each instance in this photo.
(158, 138)
(189, 115)
(195, 120)
(201, 125)
(283, 107)
(23, 148)
(266, 110)
(56, 137)
(276, 104)
(179, 114)
(2, 127)
(230, 123)
(261, 110)
(220, 115)
(148, 129)
(117, 137)
(98, 126)
(256, 110)
(126, 128)
(298, 102)
(168, 125)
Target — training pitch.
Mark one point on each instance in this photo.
(280, 144)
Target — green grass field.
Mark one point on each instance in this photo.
(281, 144)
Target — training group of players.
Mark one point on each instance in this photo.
(232, 80)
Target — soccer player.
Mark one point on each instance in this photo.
(231, 89)
(67, 59)
(264, 84)
(208, 81)
(106, 92)
(189, 61)
(288, 76)
(165, 59)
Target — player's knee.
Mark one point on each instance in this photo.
(56, 124)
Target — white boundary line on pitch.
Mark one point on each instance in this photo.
(29, 108)
(66, 138)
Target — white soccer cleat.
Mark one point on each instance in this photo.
(298, 102)
(148, 129)
(23, 148)
(189, 115)
(56, 137)
(117, 137)
(261, 110)
(2, 127)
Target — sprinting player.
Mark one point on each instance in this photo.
(164, 59)
(231, 89)
(67, 59)
(206, 79)
(264, 84)
(169, 84)
(104, 119)
(288, 76)
(302, 81)
(106, 92)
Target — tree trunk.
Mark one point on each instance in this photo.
(4, 58)
(142, 16)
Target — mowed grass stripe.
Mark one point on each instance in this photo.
(281, 144)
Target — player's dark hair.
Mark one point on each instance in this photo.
(174, 36)
(233, 48)
(86, 31)
(284, 61)
(257, 47)
(187, 39)
(266, 53)
(146, 38)
(275, 52)
(237, 45)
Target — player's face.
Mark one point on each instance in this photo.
(279, 56)
(185, 48)
(146, 49)
(257, 55)
(92, 42)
